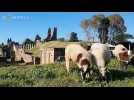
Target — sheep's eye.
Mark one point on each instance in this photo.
(84, 62)
(123, 49)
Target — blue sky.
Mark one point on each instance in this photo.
(22, 25)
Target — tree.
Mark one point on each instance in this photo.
(117, 26)
(27, 41)
(9, 41)
(103, 30)
(37, 37)
(106, 26)
(2, 45)
(73, 37)
(49, 30)
(54, 35)
(98, 23)
(123, 37)
(49, 33)
(48, 38)
(86, 25)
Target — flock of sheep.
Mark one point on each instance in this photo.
(98, 55)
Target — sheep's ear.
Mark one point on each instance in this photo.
(113, 51)
(79, 57)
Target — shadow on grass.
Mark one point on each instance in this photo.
(113, 75)
(120, 75)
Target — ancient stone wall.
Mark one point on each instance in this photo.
(18, 54)
(47, 56)
(28, 46)
(37, 43)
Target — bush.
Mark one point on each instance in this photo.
(73, 37)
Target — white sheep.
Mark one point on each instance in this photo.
(119, 49)
(121, 54)
(101, 56)
(78, 55)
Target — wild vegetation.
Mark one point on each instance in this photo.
(106, 28)
(55, 75)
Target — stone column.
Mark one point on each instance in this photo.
(42, 57)
(31, 46)
(33, 60)
(27, 46)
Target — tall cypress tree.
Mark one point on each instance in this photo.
(37, 37)
(54, 37)
(48, 35)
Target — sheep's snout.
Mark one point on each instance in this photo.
(85, 71)
(103, 72)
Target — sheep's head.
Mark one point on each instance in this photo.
(85, 69)
(84, 65)
(104, 74)
(83, 62)
(103, 71)
(119, 49)
(121, 53)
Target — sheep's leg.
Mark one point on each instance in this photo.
(83, 74)
(88, 72)
(120, 66)
(125, 66)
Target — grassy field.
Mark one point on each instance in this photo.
(55, 75)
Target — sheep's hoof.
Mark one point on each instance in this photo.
(83, 81)
(87, 75)
(91, 72)
(120, 68)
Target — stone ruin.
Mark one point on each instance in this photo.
(28, 46)
(18, 54)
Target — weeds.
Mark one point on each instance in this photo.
(55, 75)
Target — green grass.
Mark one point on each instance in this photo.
(55, 75)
